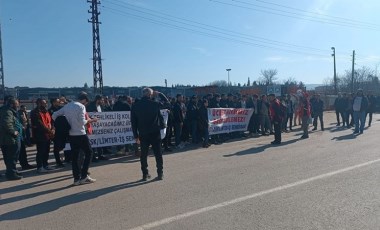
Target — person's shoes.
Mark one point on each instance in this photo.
(323, 129)
(167, 149)
(160, 176)
(355, 132)
(314, 129)
(87, 180)
(76, 182)
(271, 133)
(18, 174)
(48, 168)
(42, 170)
(28, 166)
(304, 137)
(361, 132)
(338, 124)
(60, 165)
(146, 177)
(275, 143)
(13, 177)
(180, 146)
(103, 158)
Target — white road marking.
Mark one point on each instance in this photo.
(244, 198)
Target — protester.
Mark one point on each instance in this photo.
(371, 108)
(193, 117)
(147, 122)
(10, 137)
(318, 112)
(43, 132)
(59, 141)
(75, 113)
(305, 114)
(203, 123)
(98, 105)
(178, 121)
(25, 117)
(276, 117)
(359, 107)
(263, 107)
(289, 112)
(23, 158)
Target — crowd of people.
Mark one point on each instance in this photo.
(187, 124)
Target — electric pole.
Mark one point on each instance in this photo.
(335, 80)
(1, 68)
(353, 71)
(96, 54)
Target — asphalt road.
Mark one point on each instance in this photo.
(329, 181)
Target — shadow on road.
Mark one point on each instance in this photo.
(345, 137)
(34, 184)
(260, 149)
(52, 205)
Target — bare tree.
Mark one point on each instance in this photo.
(290, 81)
(268, 76)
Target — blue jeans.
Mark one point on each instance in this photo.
(359, 117)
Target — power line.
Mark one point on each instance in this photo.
(298, 16)
(222, 30)
(311, 12)
(207, 34)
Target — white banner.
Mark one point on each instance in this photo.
(226, 120)
(112, 128)
(115, 128)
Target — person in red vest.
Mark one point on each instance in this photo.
(42, 132)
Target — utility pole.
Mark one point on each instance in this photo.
(353, 71)
(1, 68)
(335, 80)
(96, 54)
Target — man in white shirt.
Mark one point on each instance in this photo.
(75, 113)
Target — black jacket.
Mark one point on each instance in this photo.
(177, 113)
(146, 117)
(121, 106)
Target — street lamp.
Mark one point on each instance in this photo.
(228, 83)
(335, 80)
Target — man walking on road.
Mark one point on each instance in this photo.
(75, 113)
(147, 121)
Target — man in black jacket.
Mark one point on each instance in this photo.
(60, 138)
(147, 122)
(178, 120)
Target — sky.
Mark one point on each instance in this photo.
(48, 43)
